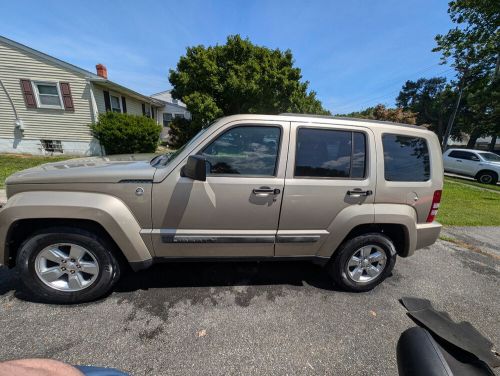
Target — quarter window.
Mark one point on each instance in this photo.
(329, 153)
(405, 158)
(48, 95)
(245, 150)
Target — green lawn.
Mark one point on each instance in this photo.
(466, 205)
(473, 183)
(10, 163)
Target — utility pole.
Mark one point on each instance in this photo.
(449, 127)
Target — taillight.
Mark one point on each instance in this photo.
(435, 206)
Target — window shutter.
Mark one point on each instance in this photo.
(107, 100)
(66, 96)
(143, 109)
(29, 96)
(152, 112)
(124, 105)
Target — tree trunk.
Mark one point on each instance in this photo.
(493, 143)
(471, 144)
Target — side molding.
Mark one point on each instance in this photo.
(110, 212)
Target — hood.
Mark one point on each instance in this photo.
(109, 169)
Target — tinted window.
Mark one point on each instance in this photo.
(246, 150)
(330, 153)
(463, 155)
(405, 158)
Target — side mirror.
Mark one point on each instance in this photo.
(195, 168)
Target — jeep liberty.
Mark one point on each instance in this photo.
(349, 194)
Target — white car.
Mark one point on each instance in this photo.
(481, 165)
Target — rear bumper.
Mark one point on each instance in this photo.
(427, 234)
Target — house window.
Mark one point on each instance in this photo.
(52, 146)
(48, 95)
(167, 119)
(116, 105)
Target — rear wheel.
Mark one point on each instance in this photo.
(67, 265)
(487, 177)
(361, 263)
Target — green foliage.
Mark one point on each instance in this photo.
(432, 100)
(125, 133)
(473, 47)
(235, 78)
(380, 112)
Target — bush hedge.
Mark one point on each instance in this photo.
(125, 133)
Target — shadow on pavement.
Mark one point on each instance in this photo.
(217, 274)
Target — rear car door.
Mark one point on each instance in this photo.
(235, 211)
(463, 162)
(330, 167)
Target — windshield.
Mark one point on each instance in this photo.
(491, 157)
(165, 158)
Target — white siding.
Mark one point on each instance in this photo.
(16, 64)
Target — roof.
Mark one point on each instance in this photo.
(85, 73)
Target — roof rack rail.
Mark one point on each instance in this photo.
(349, 118)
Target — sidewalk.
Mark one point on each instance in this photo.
(3, 197)
(482, 239)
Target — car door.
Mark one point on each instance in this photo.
(330, 168)
(463, 162)
(235, 212)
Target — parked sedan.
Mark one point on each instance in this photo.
(481, 165)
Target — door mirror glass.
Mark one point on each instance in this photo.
(474, 158)
(195, 168)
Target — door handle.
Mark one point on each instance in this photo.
(265, 191)
(359, 193)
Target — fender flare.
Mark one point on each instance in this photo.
(108, 211)
(367, 214)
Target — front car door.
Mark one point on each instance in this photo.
(330, 168)
(235, 212)
(463, 162)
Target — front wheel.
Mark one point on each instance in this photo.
(361, 263)
(67, 265)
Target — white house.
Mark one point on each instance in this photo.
(46, 104)
(173, 108)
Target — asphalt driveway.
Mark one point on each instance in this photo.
(252, 318)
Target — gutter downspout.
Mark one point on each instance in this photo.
(19, 122)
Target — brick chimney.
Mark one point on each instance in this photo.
(101, 71)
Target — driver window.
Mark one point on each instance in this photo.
(244, 150)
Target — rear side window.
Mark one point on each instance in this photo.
(328, 153)
(405, 158)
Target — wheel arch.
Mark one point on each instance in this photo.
(93, 211)
(485, 170)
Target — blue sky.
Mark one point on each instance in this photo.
(354, 53)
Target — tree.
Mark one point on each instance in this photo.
(473, 46)
(237, 77)
(381, 112)
(432, 100)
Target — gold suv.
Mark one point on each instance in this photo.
(346, 193)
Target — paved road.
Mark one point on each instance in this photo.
(250, 318)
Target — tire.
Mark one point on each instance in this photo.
(87, 256)
(487, 177)
(344, 269)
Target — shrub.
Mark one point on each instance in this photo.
(125, 133)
